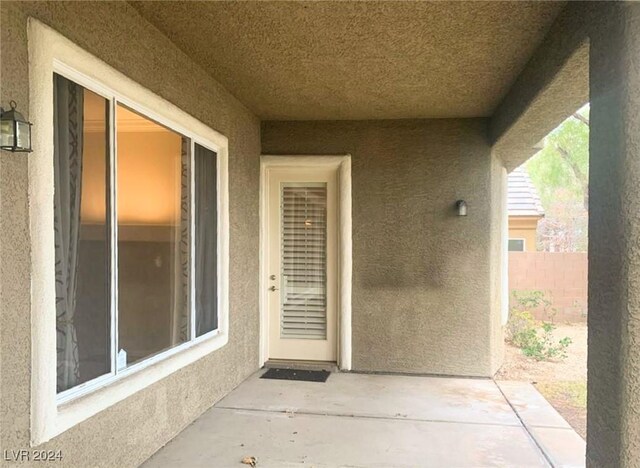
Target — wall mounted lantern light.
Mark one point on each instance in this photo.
(461, 206)
(15, 131)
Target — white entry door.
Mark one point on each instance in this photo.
(302, 263)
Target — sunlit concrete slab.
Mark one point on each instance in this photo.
(562, 446)
(403, 397)
(530, 405)
(222, 437)
(372, 421)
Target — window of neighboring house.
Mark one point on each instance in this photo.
(516, 245)
(136, 238)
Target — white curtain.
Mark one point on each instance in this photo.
(180, 312)
(68, 141)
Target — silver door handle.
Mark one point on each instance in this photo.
(273, 288)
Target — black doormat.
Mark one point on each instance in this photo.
(296, 374)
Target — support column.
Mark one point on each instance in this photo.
(613, 429)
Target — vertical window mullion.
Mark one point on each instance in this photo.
(192, 242)
(113, 233)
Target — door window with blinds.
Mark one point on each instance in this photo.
(304, 260)
(136, 237)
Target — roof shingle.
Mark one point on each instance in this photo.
(522, 196)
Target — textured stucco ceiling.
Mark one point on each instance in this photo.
(359, 60)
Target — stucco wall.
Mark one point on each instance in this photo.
(497, 257)
(553, 85)
(590, 53)
(613, 424)
(529, 236)
(424, 300)
(115, 33)
(524, 228)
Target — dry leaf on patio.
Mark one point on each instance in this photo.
(249, 461)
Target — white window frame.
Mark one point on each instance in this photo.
(52, 413)
(524, 243)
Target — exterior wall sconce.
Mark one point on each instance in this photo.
(15, 131)
(461, 206)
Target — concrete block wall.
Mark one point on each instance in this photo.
(561, 275)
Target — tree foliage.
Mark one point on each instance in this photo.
(563, 162)
(560, 173)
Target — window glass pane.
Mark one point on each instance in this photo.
(153, 237)
(6, 133)
(206, 222)
(83, 319)
(516, 245)
(303, 254)
(23, 134)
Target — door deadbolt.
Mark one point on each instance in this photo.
(272, 277)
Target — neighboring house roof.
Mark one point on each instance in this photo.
(522, 196)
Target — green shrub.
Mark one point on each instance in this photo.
(534, 338)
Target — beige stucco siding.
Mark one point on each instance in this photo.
(129, 432)
(423, 297)
(497, 253)
(529, 236)
(524, 227)
(613, 384)
(590, 53)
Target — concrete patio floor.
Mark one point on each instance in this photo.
(360, 420)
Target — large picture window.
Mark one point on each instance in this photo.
(136, 238)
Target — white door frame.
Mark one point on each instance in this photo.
(342, 163)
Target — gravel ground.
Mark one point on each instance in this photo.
(563, 383)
